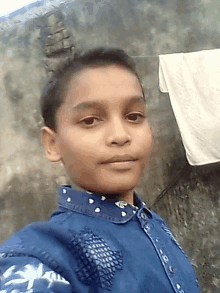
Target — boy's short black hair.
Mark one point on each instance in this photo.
(54, 91)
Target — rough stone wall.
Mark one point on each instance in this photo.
(186, 197)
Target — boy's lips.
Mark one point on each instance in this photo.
(116, 159)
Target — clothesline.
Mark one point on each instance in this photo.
(145, 56)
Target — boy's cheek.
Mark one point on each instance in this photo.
(147, 143)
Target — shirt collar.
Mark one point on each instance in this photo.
(100, 205)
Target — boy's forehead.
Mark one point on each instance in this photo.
(96, 83)
(90, 76)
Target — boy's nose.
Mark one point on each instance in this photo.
(118, 133)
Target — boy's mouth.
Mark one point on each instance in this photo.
(119, 159)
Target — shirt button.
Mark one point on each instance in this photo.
(143, 216)
(171, 269)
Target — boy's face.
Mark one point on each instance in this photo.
(103, 136)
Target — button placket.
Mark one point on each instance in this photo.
(171, 271)
(168, 262)
(165, 260)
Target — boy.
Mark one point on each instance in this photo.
(102, 238)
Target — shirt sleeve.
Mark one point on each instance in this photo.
(31, 277)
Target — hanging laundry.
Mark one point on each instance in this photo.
(193, 83)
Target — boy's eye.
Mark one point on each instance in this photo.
(135, 117)
(90, 121)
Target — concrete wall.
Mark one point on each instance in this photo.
(186, 197)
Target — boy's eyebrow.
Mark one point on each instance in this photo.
(95, 103)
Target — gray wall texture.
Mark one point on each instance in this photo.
(32, 42)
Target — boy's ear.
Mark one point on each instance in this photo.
(49, 141)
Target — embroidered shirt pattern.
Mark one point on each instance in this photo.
(96, 261)
(21, 279)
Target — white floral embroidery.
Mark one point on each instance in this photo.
(54, 277)
(29, 274)
(8, 272)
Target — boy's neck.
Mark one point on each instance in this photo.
(128, 196)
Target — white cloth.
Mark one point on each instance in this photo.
(193, 83)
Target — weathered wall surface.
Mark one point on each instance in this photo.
(186, 197)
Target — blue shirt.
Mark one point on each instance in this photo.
(94, 243)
